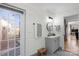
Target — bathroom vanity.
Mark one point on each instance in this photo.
(52, 43)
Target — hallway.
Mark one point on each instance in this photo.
(72, 44)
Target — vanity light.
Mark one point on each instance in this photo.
(50, 17)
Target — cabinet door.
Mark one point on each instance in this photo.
(53, 44)
(50, 45)
(57, 42)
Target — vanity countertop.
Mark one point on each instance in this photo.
(53, 36)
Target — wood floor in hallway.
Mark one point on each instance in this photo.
(72, 44)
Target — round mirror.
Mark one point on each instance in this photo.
(50, 29)
(49, 26)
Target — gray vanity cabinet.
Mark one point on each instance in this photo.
(52, 43)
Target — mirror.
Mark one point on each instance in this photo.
(50, 29)
(49, 26)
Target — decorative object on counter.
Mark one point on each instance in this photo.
(51, 34)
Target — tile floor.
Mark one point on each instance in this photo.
(61, 53)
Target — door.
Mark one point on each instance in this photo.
(11, 34)
(65, 28)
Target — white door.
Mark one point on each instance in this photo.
(11, 33)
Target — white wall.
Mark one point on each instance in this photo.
(33, 15)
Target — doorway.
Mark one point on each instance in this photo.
(71, 40)
(11, 31)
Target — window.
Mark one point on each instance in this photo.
(9, 32)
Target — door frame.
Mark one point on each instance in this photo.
(22, 26)
(65, 29)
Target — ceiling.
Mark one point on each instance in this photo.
(55, 7)
(50, 7)
(74, 23)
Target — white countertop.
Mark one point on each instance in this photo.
(53, 36)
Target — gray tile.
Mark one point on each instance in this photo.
(5, 54)
(17, 52)
(11, 53)
(61, 53)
